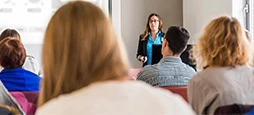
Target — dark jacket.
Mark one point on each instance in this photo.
(142, 46)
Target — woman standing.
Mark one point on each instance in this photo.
(153, 34)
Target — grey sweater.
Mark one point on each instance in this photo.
(215, 87)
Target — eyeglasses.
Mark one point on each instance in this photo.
(151, 21)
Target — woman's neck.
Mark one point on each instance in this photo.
(154, 33)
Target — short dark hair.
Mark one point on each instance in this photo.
(177, 38)
(9, 33)
(13, 53)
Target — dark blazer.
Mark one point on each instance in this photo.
(142, 46)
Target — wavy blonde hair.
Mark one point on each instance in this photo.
(223, 43)
(80, 47)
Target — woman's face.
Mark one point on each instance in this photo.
(154, 23)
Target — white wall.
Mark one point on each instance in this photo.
(34, 50)
(134, 15)
(198, 13)
(116, 16)
(252, 18)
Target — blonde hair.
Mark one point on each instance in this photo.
(80, 47)
(11, 109)
(223, 43)
(148, 29)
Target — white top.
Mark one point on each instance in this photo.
(117, 98)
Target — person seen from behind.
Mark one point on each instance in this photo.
(80, 78)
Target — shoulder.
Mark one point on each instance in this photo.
(148, 71)
(140, 36)
(162, 34)
(49, 108)
(189, 68)
(115, 95)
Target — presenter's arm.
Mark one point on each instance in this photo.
(140, 50)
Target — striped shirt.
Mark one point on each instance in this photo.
(170, 71)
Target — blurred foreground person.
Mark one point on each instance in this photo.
(85, 70)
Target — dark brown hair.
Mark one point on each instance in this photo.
(13, 53)
(177, 38)
(9, 33)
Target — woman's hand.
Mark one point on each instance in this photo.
(143, 59)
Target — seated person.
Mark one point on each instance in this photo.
(170, 71)
(223, 54)
(82, 79)
(12, 57)
(30, 63)
(186, 56)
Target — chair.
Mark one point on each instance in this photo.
(133, 72)
(27, 101)
(181, 90)
(235, 109)
(7, 99)
(9, 110)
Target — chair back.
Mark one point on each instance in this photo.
(8, 100)
(133, 73)
(27, 101)
(181, 90)
(234, 109)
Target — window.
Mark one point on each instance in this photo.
(30, 17)
(249, 10)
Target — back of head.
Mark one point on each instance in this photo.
(223, 43)
(9, 33)
(80, 47)
(13, 53)
(177, 38)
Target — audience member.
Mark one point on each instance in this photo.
(224, 52)
(31, 63)
(12, 57)
(153, 34)
(187, 57)
(80, 78)
(170, 71)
